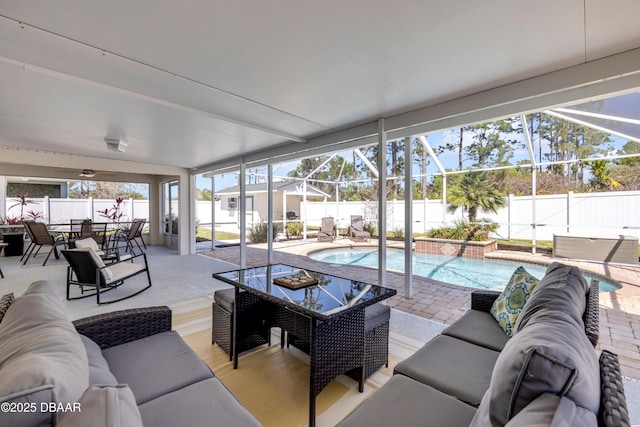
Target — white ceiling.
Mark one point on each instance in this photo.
(191, 83)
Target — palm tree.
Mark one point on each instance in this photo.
(474, 191)
(601, 176)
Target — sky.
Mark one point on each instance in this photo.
(448, 159)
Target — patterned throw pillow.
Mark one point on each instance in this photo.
(507, 307)
(5, 302)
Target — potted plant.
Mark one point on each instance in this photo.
(115, 214)
(14, 236)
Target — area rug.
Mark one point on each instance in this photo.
(273, 383)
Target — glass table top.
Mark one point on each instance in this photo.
(330, 295)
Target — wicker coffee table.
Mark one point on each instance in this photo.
(327, 316)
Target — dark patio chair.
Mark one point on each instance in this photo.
(86, 269)
(138, 235)
(98, 233)
(75, 228)
(356, 230)
(327, 230)
(129, 237)
(39, 235)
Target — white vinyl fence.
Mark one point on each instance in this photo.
(60, 211)
(588, 214)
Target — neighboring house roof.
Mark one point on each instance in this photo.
(290, 186)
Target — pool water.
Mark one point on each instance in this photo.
(472, 273)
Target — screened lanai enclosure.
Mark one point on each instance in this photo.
(570, 170)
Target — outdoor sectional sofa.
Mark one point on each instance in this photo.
(123, 368)
(473, 374)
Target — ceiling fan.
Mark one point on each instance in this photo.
(86, 174)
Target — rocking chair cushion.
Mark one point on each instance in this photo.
(88, 243)
(122, 270)
(108, 274)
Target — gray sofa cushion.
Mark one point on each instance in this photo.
(105, 406)
(549, 410)
(478, 327)
(408, 403)
(204, 403)
(563, 288)
(156, 365)
(550, 353)
(99, 372)
(453, 366)
(42, 358)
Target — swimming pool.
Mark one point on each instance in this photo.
(461, 271)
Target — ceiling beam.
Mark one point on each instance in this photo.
(591, 125)
(147, 98)
(592, 80)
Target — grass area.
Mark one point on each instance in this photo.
(204, 234)
(528, 243)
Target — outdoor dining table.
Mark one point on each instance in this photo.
(325, 311)
(72, 232)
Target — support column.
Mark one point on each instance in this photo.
(533, 209)
(156, 225)
(3, 196)
(532, 157)
(382, 203)
(444, 199)
(213, 213)
(338, 206)
(270, 215)
(186, 213)
(243, 214)
(284, 211)
(304, 204)
(408, 219)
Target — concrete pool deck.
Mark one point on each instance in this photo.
(443, 302)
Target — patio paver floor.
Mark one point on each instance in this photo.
(445, 303)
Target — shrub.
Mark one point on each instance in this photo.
(462, 230)
(294, 228)
(258, 232)
(370, 227)
(398, 232)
